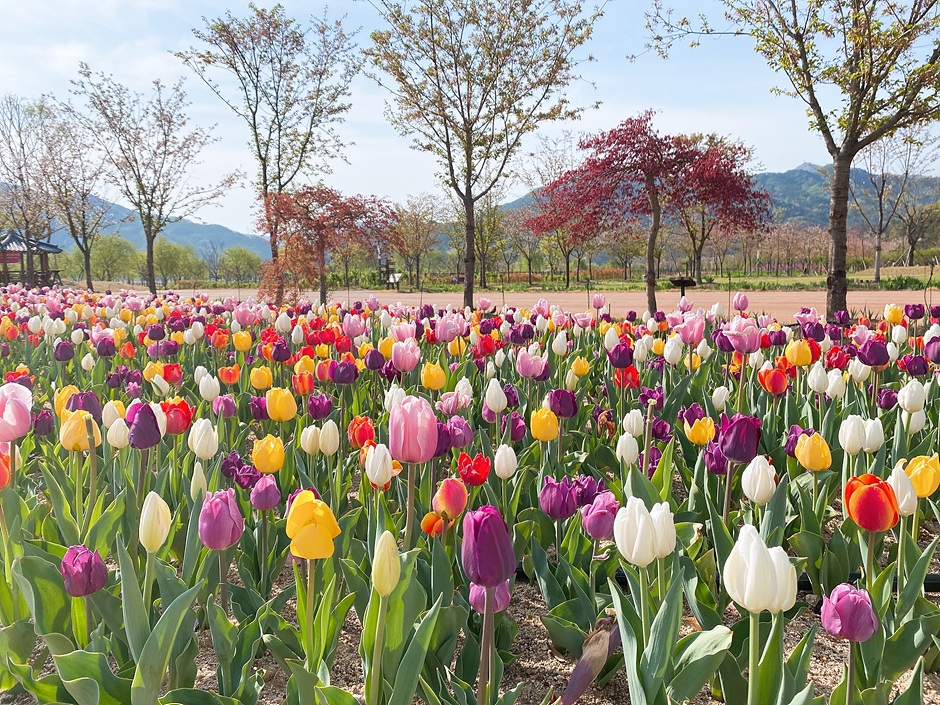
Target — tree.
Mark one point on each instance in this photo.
(113, 257)
(24, 193)
(879, 60)
(239, 264)
(489, 236)
(150, 152)
(625, 244)
(212, 257)
(173, 262)
(628, 175)
(418, 232)
(74, 171)
(289, 83)
(716, 192)
(520, 237)
(470, 78)
(917, 213)
(313, 221)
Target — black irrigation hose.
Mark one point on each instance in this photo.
(803, 584)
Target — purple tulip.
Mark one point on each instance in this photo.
(230, 464)
(887, 399)
(620, 356)
(587, 488)
(221, 524)
(842, 317)
(501, 597)
(144, 430)
(512, 396)
(344, 372)
(83, 571)
(848, 614)
(224, 406)
(85, 401)
(559, 500)
(488, 414)
(156, 332)
(134, 377)
(132, 390)
(43, 424)
(562, 403)
(265, 495)
(374, 360)
(598, 517)
(690, 414)
(247, 476)
(932, 350)
(834, 332)
(935, 311)
(487, 554)
(813, 330)
(874, 353)
(651, 394)
(715, 461)
(319, 406)
(743, 334)
(739, 437)
(655, 456)
(258, 406)
(722, 342)
(444, 441)
(793, 437)
(63, 351)
(461, 435)
(517, 427)
(914, 311)
(280, 352)
(739, 302)
(661, 430)
(915, 365)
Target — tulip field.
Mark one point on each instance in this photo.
(192, 479)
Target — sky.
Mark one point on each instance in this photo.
(722, 86)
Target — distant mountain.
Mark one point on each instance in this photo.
(183, 232)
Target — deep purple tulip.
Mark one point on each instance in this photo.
(887, 399)
(559, 500)
(597, 518)
(176, 324)
(344, 372)
(874, 353)
(544, 374)
(374, 360)
(776, 337)
(63, 351)
(914, 311)
(690, 414)
(813, 330)
(517, 427)
(935, 311)
(224, 406)
(661, 430)
(848, 614)
(105, 347)
(156, 332)
(4, 350)
(461, 435)
(144, 431)
(221, 524)
(512, 396)
(258, 406)
(319, 406)
(169, 348)
(444, 440)
(932, 350)
(715, 461)
(247, 476)
(280, 352)
(487, 325)
(43, 423)
(230, 464)
(83, 571)
(501, 597)
(793, 437)
(834, 332)
(134, 377)
(842, 317)
(723, 343)
(132, 390)
(915, 365)
(631, 316)
(654, 394)
(265, 495)
(562, 403)
(620, 356)
(587, 488)
(656, 363)
(739, 437)
(655, 456)
(85, 401)
(487, 554)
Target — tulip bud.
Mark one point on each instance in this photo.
(379, 467)
(495, 397)
(209, 387)
(310, 440)
(611, 339)
(83, 571)
(859, 370)
(874, 435)
(487, 553)
(835, 389)
(903, 490)
(220, 522)
(329, 438)
(664, 530)
(912, 397)
(386, 565)
(627, 449)
(111, 412)
(634, 533)
(88, 362)
(203, 439)
(198, 486)
(785, 578)
(154, 522)
(750, 575)
(634, 423)
(265, 495)
(720, 397)
(118, 434)
(848, 614)
(673, 350)
(852, 434)
(914, 422)
(758, 482)
(817, 379)
(505, 462)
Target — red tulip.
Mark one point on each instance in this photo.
(361, 429)
(179, 415)
(473, 471)
(871, 503)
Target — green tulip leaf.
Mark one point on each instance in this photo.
(89, 679)
(155, 656)
(136, 615)
(915, 583)
(191, 696)
(797, 666)
(664, 633)
(630, 627)
(104, 530)
(914, 693)
(56, 485)
(696, 659)
(51, 607)
(406, 678)
(907, 644)
(330, 695)
(770, 670)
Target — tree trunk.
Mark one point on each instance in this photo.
(151, 277)
(567, 271)
(697, 264)
(321, 256)
(655, 211)
(469, 260)
(418, 272)
(528, 264)
(836, 280)
(279, 289)
(86, 253)
(910, 255)
(878, 258)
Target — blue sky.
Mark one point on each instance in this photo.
(721, 86)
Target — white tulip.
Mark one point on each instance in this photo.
(463, 387)
(634, 423)
(393, 397)
(160, 385)
(77, 336)
(757, 481)
(635, 534)
(893, 352)
(505, 462)
(852, 434)
(703, 350)
(329, 438)
(499, 358)
(899, 335)
(903, 490)
(750, 576)
(282, 324)
(755, 360)
(310, 440)
(611, 339)
(785, 574)
(495, 397)
(199, 373)
(718, 311)
(297, 335)
(627, 449)
(817, 378)
(118, 433)
(664, 530)
(835, 389)
(874, 435)
(912, 397)
(203, 439)
(914, 422)
(560, 344)
(198, 486)
(110, 413)
(571, 381)
(672, 351)
(209, 387)
(88, 362)
(720, 398)
(379, 465)
(198, 330)
(859, 370)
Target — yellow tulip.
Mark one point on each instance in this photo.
(305, 364)
(268, 454)
(544, 425)
(658, 346)
(119, 336)
(322, 350)
(363, 349)
(385, 347)
(311, 527)
(798, 353)
(281, 404)
(924, 472)
(812, 452)
(580, 366)
(242, 341)
(61, 398)
(261, 378)
(177, 337)
(894, 314)
(152, 370)
(700, 432)
(457, 346)
(433, 376)
(73, 434)
(126, 315)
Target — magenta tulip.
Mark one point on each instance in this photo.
(220, 522)
(412, 431)
(848, 614)
(83, 571)
(487, 554)
(501, 597)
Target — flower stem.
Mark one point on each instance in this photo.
(901, 542)
(850, 676)
(93, 477)
(486, 647)
(644, 605)
(870, 567)
(223, 579)
(377, 651)
(148, 583)
(409, 514)
(753, 658)
(8, 560)
(648, 437)
(558, 536)
(308, 635)
(263, 562)
(726, 510)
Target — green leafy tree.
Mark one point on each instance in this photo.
(173, 262)
(470, 78)
(864, 69)
(239, 264)
(113, 258)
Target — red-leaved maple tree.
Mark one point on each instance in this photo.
(633, 174)
(311, 223)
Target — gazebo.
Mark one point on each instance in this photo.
(16, 251)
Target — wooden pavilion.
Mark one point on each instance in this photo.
(27, 262)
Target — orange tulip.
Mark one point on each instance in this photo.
(5, 470)
(302, 383)
(871, 503)
(220, 338)
(361, 429)
(773, 381)
(229, 375)
(127, 350)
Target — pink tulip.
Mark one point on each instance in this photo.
(529, 366)
(403, 332)
(16, 402)
(743, 334)
(685, 305)
(353, 326)
(412, 430)
(406, 355)
(691, 330)
(599, 301)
